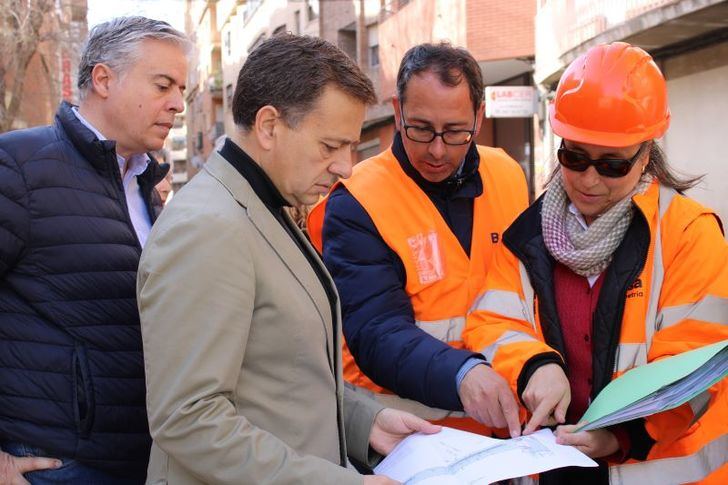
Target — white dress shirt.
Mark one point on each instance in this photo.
(129, 169)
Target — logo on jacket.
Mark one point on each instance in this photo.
(635, 289)
(425, 249)
(494, 237)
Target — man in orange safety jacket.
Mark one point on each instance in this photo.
(408, 240)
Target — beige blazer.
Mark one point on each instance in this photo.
(241, 351)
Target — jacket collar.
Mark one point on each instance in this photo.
(288, 251)
(101, 154)
(254, 174)
(525, 240)
(467, 183)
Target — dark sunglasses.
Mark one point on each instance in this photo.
(608, 167)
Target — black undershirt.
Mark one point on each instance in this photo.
(268, 193)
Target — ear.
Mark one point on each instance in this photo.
(266, 123)
(397, 112)
(479, 118)
(101, 77)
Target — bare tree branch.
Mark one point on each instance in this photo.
(21, 22)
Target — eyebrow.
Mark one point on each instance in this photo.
(342, 141)
(429, 123)
(170, 79)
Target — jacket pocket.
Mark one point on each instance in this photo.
(83, 401)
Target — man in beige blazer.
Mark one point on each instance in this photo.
(240, 320)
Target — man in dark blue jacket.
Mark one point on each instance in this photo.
(75, 212)
(401, 240)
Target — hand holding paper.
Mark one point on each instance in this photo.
(658, 386)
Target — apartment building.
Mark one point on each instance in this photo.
(689, 41)
(376, 33)
(204, 95)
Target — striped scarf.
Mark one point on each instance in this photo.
(586, 252)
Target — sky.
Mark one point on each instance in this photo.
(171, 11)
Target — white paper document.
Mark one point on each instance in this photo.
(454, 457)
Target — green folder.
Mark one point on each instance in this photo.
(658, 386)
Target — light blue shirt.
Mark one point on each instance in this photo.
(129, 169)
(465, 368)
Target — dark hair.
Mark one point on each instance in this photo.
(451, 64)
(290, 72)
(659, 168)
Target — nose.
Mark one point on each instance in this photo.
(343, 164)
(436, 148)
(590, 177)
(177, 101)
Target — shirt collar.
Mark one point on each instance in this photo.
(137, 163)
(579, 217)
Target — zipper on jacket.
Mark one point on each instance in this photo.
(612, 354)
(121, 194)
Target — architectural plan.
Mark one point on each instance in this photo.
(454, 457)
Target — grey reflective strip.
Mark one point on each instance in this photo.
(699, 404)
(506, 338)
(414, 407)
(446, 330)
(683, 469)
(630, 355)
(506, 303)
(658, 270)
(711, 308)
(528, 295)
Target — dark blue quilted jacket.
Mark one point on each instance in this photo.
(71, 367)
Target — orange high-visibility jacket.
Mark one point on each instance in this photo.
(678, 302)
(442, 281)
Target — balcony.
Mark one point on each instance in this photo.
(567, 28)
(214, 83)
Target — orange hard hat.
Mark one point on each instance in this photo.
(614, 95)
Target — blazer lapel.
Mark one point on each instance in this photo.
(281, 242)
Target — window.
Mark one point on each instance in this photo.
(229, 95)
(179, 166)
(313, 9)
(368, 149)
(256, 43)
(346, 41)
(373, 43)
(179, 142)
(374, 56)
(297, 22)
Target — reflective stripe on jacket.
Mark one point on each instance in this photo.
(657, 300)
(442, 279)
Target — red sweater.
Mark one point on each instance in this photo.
(575, 304)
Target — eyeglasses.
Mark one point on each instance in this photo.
(421, 134)
(609, 167)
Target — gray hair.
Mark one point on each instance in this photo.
(116, 44)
